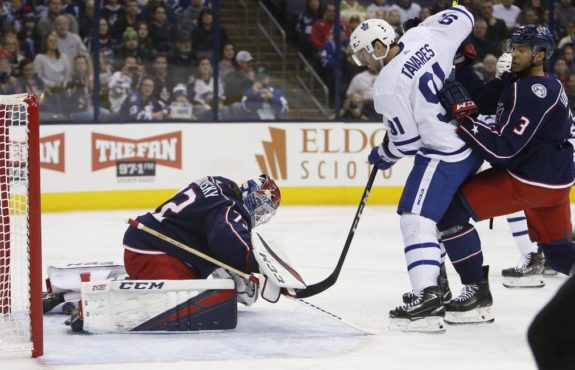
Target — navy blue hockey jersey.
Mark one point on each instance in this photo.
(531, 131)
(207, 215)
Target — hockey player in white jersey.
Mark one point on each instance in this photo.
(406, 92)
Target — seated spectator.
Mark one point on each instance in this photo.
(144, 39)
(377, 6)
(263, 101)
(482, 44)
(29, 82)
(141, 105)
(227, 60)
(10, 43)
(496, 28)
(106, 72)
(188, 19)
(528, 16)
(564, 13)
(51, 65)
(124, 82)
(349, 8)
(440, 5)
(362, 84)
(86, 21)
(46, 24)
(537, 6)
(321, 29)
(69, 43)
(112, 11)
(507, 11)
(424, 13)
(182, 58)
(161, 31)
(78, 94)
(26, 36)
(312, 12)
(571, 92)
(203, 34)
(132, 47)
(328, 57)
(407, 9)
(180, 107)
(487, 68)
(394, 20)
(352, 108)
(149, 8)
(7, 80)
(238, 81)
(164, 80)
(561, 71)
(129, 18)
(569, 38)
(567, 53)
(201, 87)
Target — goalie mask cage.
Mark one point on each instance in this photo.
(20, 246)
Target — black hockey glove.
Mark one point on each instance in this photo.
(456, 100)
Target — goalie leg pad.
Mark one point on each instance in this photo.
(159, 305)
(65, 278)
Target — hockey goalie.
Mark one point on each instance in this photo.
(187, 264)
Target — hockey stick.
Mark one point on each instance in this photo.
(157, 234)
(319, 287)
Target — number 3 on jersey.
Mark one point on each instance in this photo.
(176, 207)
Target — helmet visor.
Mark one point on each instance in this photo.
(361, 57)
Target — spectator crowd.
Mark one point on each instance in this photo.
(155, 57)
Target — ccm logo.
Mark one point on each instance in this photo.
(464, 105)
(141, 285)
(272, 268)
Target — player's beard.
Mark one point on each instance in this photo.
(526, 72)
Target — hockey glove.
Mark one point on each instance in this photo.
(247, 290)
(410, 23)
(456, 100)
(381, 158)
(465, 54)
(503, 64)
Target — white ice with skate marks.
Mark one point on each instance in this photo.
(287, 336)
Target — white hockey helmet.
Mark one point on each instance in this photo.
(503, 64)
(366, 33)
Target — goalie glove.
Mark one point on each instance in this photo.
(247, 290)
(456, 100)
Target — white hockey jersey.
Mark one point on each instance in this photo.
(406, 92)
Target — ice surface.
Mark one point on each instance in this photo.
(287, 335)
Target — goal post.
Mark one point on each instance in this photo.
(20, 232)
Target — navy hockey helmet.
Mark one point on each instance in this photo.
(536, 36)
(261, 197)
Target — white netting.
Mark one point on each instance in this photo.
(15, 327)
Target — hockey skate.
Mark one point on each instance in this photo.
(443, 284)
(473, 305)
(528, 274)
(548, 270)
(424, 314)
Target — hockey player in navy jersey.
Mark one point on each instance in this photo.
(213, 215)
(532, 166)
(406, 93)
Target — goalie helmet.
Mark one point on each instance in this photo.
(366, 33)
(261, 197)
(535, 36)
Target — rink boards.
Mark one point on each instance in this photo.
(139, 165)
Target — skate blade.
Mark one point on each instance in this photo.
(533, 281)
(432, 324)
(550, 272)
(481, 315)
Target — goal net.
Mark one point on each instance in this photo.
(20, 253)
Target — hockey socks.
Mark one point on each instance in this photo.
(518, 226)
(464, 250)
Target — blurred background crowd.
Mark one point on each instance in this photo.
(159, 60)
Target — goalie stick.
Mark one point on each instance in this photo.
(332, 278)
(157, 234)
